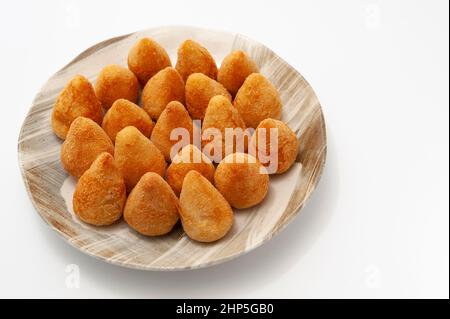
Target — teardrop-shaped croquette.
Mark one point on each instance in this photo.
(85, 141)
(257, 99)
(193, 58)
(100, 194)
(199, 90)
(285, 150)
(116, 82)
(124, 113)
(136, 155)
(242, 180)
(222, 115)
(234, 69)
(166, 86)
(152, 207)
(76, 99)
(205, 214)
(173, 117)
(146, 58)
(190, 158)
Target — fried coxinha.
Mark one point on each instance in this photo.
(120, 149)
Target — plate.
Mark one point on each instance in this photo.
(51, 189)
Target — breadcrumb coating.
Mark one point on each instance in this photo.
(205, 214)
(76, 99)
(287, 144)
(136, 155)
(235, 68)
(85, 141)
(124, 113)
(166, 86)
(146, 58)
(152, 207)
(241, 179)
(100, 194)
(116, 82)
(190, 158)
(199, 90)
(194, 58)
(257, 99)
(222, 115)
(173, 117)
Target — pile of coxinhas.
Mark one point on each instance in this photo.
(120, 151)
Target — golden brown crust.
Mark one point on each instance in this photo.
(174, 116)
(124, 113)
(100, 194)
(242, 180)
(222, 115)
(257, 99)
(152, 207)
(193, 58)
(288, 144)
(205, 214)
(146, 58)
(85, 141)
(76, 99)
(234, 69)
(136, 155)
(166, 86)
(199, 90)
(190, 158)
(116, 82)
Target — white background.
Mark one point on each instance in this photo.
(378, 224)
